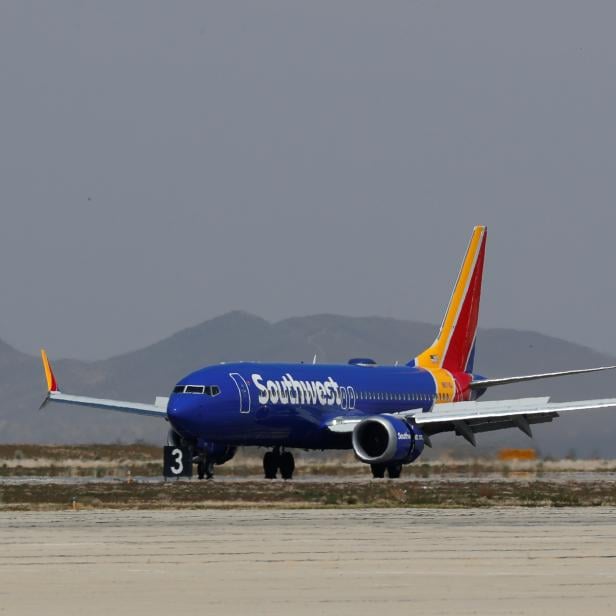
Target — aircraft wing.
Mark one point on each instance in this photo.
(485, 383)
(468, 418)
(159, 409)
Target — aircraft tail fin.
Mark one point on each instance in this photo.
(454, 347)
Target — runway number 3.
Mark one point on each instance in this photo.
(178, 467)
(177, 461)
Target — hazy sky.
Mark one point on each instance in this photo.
(164, 162)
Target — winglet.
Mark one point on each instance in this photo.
(52, 384)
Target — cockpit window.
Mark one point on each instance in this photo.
(195, 389)
(208, 390)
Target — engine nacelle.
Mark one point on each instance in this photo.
(219, 454)
(382, 439)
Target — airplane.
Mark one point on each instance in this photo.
(386, 414)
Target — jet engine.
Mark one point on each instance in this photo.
(218, 454)
(383, 439)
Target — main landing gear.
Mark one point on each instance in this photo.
(277, 460)
(393, 470)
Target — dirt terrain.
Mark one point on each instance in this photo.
(124, 461)
(129, 477)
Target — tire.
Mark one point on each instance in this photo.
(394, 470)
(286, 465)
(201, 469)
(378, 470)
(270, 465)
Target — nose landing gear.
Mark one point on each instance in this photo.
(277, 460)
(205, 468)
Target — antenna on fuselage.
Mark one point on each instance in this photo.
(314, 359)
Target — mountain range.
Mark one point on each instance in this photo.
(152, 371)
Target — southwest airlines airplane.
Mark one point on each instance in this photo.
(386, 414)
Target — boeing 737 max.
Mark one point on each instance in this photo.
(386, 414)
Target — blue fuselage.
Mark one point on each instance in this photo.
(291, 404)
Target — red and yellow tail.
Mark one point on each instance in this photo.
(454, 346)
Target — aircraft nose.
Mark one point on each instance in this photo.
(182, 412)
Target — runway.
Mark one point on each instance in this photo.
(484, 477)
(395, 561)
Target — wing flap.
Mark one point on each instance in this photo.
(507, 408)
(466, 418)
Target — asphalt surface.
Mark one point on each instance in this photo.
(496, 561)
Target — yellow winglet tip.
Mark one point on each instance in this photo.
(52, 384)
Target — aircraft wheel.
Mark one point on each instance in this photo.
(286, 465)
(270, 465)
(378, 470)
(394, 470)
(201, 469)
(208, 467)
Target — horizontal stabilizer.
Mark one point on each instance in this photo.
(485, 383)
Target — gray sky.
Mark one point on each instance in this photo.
(164, 162)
